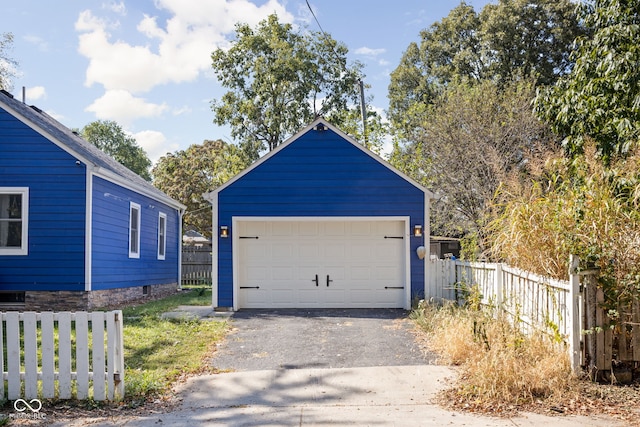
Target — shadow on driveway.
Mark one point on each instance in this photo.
(319, 338)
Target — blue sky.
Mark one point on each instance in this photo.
(146, 63)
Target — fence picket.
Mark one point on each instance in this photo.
(110, 356)
(635, 332)
(13, 356)
(82, 355)
(30, 335)
(48, 355)
(64, 355)
(1, 356)
(98, 359)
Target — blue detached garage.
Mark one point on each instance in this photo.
(320, 222)
(77, 229)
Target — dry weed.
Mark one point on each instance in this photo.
(503, 372)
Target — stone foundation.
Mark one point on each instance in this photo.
(94, 300)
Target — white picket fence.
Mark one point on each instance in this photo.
(538, 303)
(56, 355)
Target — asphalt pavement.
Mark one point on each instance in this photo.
(323, 368)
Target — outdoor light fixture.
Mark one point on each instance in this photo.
(224, 231)
(417, 230)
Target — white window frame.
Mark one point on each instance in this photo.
(134, 238)
(162, 235)
(24, 244)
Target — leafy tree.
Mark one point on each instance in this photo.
(7, 64)
(109, 137)
(187, 174)
(279, 80)
(351, 124)
(600, 98)
(506, 40)
(532, 37)
(449, 49)
(470, 140)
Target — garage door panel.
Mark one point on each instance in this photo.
(286, 258)
(282, 229)
(335, 229)
(308, 229)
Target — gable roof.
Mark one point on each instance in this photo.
(314, 125)
(102, 164)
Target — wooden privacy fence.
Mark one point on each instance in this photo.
(536, 302)
(52, 355)
(196, 265)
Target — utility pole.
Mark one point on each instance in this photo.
(363, 112)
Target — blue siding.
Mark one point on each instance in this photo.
(111, 265)
(56, 210)
(319, 174)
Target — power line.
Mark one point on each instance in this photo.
(363, 108)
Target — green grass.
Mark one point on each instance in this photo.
(158, 352)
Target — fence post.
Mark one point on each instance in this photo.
(575, 329)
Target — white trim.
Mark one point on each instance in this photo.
(24, 217)
(162, 231)
(180, 215)
(134, 206)
(349, 139)
(426, 235)
(235, 240)
(88, 230)
(215, 248)
(102, 172)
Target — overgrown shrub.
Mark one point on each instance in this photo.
(575, 207)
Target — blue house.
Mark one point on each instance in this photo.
(320, 222)
(78, 230)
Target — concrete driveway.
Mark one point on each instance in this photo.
(324, 368)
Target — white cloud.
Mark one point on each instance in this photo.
(39, 42)
(122, 107)
(182, 110)
(115, 7)
(367, 51)
(178, 50)
(35, 93)
(154, 144)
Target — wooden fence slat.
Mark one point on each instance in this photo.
(48, 355)
(13, 356)
(110, 354)
(82, 355)
(2, 316)
(97, 351)
(30, 345)
(600, 351)
(64, 355)
(635, 331)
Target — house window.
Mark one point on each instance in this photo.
(162, 235)
(14, 220)
(134, 230)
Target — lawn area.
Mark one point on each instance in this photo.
(157, 352)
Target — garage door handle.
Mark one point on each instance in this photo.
(315, 280)
(328, 280)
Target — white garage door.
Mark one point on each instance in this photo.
(323, 264)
